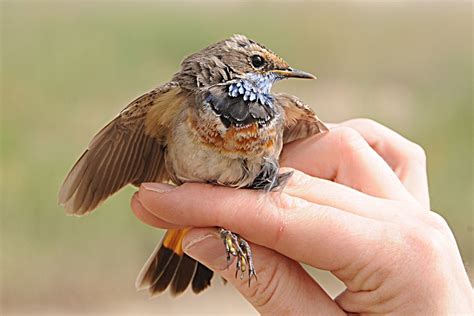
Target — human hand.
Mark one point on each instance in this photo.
(359, 208)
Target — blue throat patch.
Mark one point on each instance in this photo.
(254, 87)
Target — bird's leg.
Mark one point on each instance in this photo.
(238, 247)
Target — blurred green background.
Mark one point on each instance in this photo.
(68, 67)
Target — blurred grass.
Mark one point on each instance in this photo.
(68, 67)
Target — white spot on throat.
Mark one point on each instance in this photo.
(254, 87)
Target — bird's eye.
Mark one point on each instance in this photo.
(257, 61)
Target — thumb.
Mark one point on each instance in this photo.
(282, 287)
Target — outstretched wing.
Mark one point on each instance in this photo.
(300, 120)
(130, 149)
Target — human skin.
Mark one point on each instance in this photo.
(357, 206)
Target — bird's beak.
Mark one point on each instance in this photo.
(293, 73)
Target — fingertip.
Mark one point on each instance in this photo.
(153, 195)
(190, 204)
(146, 217)
(206, 246)
(197, 233)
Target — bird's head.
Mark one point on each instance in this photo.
(234, 59)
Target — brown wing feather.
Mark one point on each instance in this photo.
(122, 152)
(300, 120)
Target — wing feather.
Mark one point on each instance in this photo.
(300, 120)
(122, 152)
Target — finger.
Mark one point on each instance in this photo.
(343, 156)
(147, 217)
(322, 236)
(407, 159)
(281, 284)
(325, 192)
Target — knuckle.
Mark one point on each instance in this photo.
(349, 140)
(345, 301)
(367, 122)
(436, 221)
(294, 179)
(298, 179)
(282, 201)
(276, 200)
(422, 242)
(416, 152)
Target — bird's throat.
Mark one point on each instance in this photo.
(254, 87)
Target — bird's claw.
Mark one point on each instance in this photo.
(238, 247)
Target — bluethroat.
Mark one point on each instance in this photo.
(216, 121)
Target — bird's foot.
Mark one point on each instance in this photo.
(239, 248)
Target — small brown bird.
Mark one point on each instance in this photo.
(217, 122)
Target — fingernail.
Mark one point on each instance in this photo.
(158, 187)
(208, 249)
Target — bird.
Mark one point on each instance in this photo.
(217, 121)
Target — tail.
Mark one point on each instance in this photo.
(168, 264)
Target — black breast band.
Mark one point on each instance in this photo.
(235, 111)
